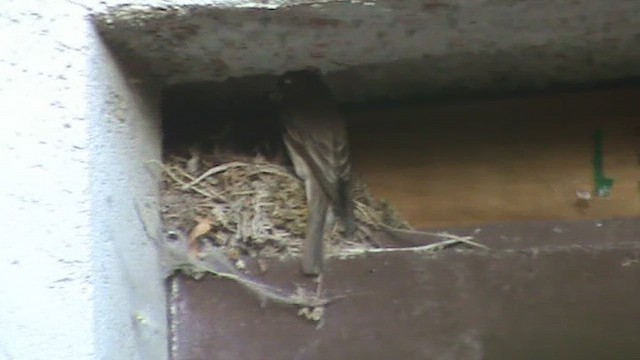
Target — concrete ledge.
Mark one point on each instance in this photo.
(386, 49)
(570, 302)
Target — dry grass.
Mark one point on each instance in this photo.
(249, 206)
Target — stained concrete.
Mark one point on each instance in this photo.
(561, 299)
(386, 48)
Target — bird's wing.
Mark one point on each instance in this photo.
(322, 144)
(315, 131)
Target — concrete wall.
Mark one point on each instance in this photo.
(79, 275)
(388, 48)
(80, 278)
(46, 262)
(129, 301)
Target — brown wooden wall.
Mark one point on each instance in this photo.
(522, 158)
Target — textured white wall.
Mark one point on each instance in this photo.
(79, 277)
(47, 293)
(129, 301)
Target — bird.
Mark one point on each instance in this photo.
(315, 137)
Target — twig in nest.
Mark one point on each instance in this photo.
(215, 262)
(370, 218)
(177, 256)
(423, 248)
(419, 232)
(175, 178)
(270, 170)
(212, 171)
(443, 235)
(167, 171)
(234, 164)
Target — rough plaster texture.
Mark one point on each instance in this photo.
(80, 278)
(45, 253)
(388, 48)
(130, 297)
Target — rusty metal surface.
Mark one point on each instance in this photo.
(540, 293)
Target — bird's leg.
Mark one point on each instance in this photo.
(312, 250)
(348, 219)
(331, 219)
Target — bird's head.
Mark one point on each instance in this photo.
(291, 83)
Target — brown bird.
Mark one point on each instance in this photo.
(316, 140)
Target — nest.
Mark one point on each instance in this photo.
(251, 206)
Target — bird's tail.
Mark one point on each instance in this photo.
(346, 213)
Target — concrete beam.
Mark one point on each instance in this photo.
(385, 48)
(539, 293)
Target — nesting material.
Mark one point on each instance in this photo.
(251, 206)
(217, 209)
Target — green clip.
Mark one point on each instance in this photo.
(603, 183)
